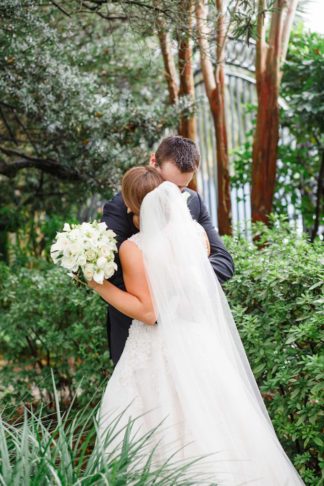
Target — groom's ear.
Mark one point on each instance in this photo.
(153, 159)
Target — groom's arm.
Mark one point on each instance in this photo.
(115, 217)
(219, 257)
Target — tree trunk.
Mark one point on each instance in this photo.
(187, 125)
(265, 150)
(168, 60)
(218, 108)
(215, 90)
(268, 74)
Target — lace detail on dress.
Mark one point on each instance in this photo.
(142, 345)
(137, 239)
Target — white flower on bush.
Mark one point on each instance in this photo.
(86, 250)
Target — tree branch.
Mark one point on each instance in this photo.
(155, 9)
(202, 38)
(60, 8)
(169, 65)
(26, 162)
(11, 133)
(187, 125)
(221, 40)
(275, 40)
(261, 48)
(288, 22)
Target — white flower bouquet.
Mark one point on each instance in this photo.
(86, 250)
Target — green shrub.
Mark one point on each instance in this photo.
(277, 301)
(48, 322)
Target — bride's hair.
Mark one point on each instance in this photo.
(136, 183)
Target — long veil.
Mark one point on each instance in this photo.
(216, 387)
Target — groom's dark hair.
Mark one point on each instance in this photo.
(181, 151)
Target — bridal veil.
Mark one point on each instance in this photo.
(219, 395)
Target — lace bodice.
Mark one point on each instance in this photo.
(142, 338)
(136, 238)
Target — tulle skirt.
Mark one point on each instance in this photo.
(145, 385)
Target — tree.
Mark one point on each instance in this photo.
(187, 125)
(269, 60)
(68, 129)
(215, 90)
(58, 116)
(180, 84)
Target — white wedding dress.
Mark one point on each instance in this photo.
(190, 371)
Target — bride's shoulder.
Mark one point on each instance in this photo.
(131, 244)
(130, 254)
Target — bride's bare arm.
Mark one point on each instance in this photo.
(136, 302)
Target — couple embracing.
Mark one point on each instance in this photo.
(179, 358)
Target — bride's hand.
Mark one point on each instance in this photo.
(204, 236)
(92, 284)
(207, 243)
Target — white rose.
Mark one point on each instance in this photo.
(90, 254)
(82, 260)
(66, 227)
(99, 276)
(76, 247)
(104, 251)
(109, 269)
(101, 262)
(69, 263)
(88, 271)
(74, 234)
(55, 255)
(102, 226)
(61, 243)
(86, 227)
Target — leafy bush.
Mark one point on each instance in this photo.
(277, 303)
(49, 322)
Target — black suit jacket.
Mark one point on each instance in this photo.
(116, 217)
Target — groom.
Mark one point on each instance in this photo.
(177, 159)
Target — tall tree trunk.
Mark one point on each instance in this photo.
(215, 90)
(268, 74)
(187, 125)
(224, 193)
(168, 60)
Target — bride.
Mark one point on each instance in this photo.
(184, 363)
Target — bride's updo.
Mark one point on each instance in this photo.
(136, 183)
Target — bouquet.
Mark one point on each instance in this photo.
(86, 250)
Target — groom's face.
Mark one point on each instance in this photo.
(170, 172)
